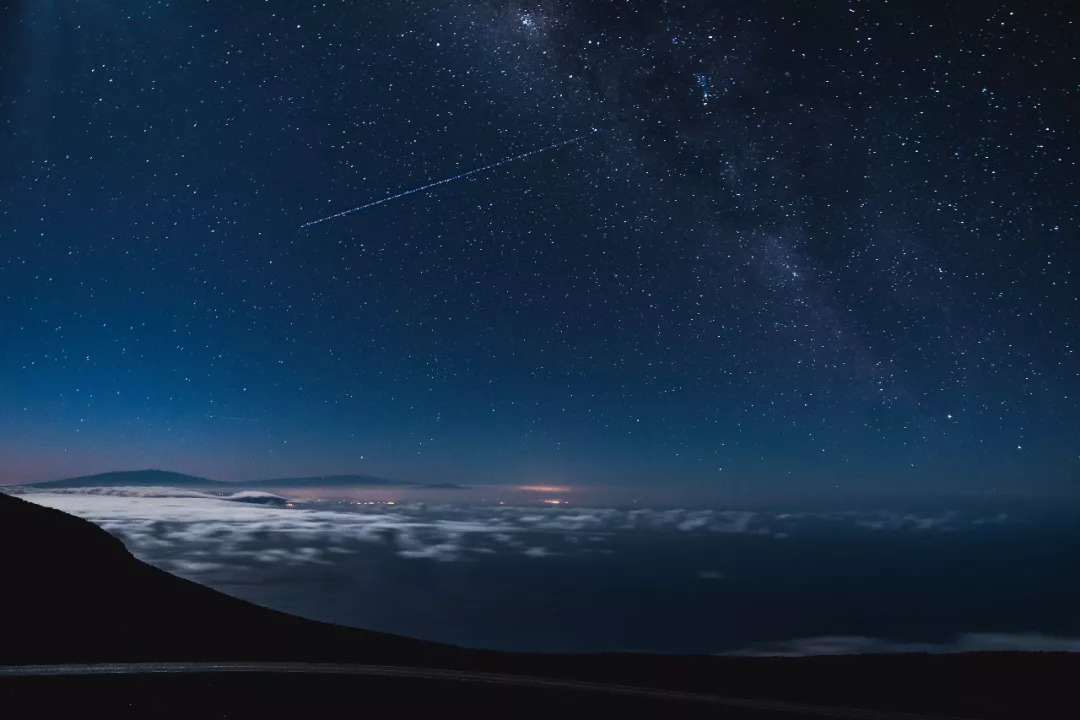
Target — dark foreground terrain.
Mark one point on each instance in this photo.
(72, 594)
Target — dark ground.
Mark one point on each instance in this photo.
(71, 593)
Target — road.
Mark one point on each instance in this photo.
(745, 704)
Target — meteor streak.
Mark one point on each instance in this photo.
(452, 178)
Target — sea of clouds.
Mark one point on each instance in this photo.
(553, 577)
(151, 517)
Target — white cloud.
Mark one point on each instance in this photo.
(443, 552)
(193, 567)
(155, 520)
(862, 645)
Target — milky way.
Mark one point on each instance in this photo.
(819, 250)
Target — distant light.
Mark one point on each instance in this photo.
(552, 501)
(544, 488)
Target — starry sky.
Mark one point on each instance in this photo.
(800, 249)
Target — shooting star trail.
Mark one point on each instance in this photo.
(452, 178)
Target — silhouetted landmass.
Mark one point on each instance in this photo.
(446, 486)
(85, 598)
(165, 478)
(72, 593)
(136, 478)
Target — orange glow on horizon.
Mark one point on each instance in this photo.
(544, 488)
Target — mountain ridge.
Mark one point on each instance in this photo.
(152, 477)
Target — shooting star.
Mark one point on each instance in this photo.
(452, 178)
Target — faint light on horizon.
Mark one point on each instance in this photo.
(544, 488)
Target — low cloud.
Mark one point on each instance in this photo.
(861, 645)
(265, 528)
(385, 566)
(536, 552)
(195, 567)
(444, 552)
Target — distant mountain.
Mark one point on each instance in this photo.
(165, 478)
(135, 478)
(327, 481)
(446, 486)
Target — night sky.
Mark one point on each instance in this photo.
(801, 250)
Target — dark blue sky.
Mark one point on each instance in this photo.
(809, 250)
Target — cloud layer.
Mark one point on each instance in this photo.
(151, 518)
(859, 645)
(565, 578)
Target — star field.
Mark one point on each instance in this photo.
(807, 250)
